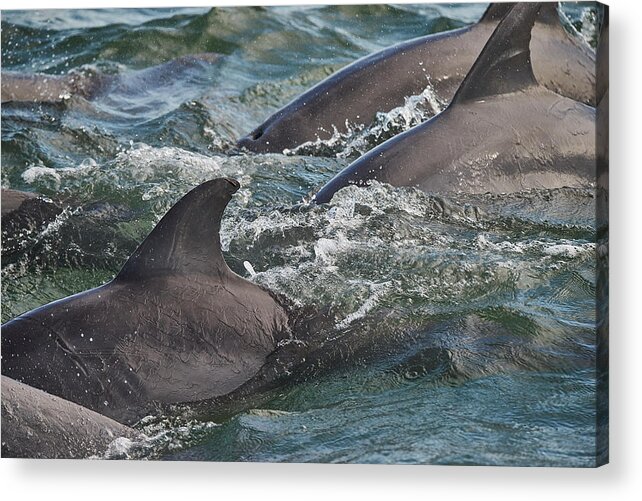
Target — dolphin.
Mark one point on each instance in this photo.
(24, 215)
(12, 200)
(91, 84)
(38, 231)
(18, 207)
(502, 132)
(175, 325)
(381, 81)
(42, 426)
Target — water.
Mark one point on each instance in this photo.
(478, 311)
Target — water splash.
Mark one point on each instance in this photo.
(158, 437)
(377, 291)
(359, 138)
(585, 28)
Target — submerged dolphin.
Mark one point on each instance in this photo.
(23, 213)
(381, 81)
(176, 324)
(25, 206)
(503, 132)
(40, 87)
(36, 424)
(12, 200)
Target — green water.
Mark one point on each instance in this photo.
(490, 300)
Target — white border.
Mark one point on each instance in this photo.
(97, 480)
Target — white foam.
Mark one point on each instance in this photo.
(326, 249)
(250, 269)
(34, 173)
(569, 250)
(588, 30)
(145, 161)
(54, 177)
(378, 290)
(119, 448)
(360, 138)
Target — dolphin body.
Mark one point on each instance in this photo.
(89, 84)
(20, 207)
(503, 132)
(381, 81)
(42, 426)
(175, 325)
(12, 200)
(23, 213)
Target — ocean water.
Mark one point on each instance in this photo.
(480, 311)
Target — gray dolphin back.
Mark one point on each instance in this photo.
(382, 80)
(41, 426)
(512, 133)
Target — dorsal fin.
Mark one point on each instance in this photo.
(186, 240)
(548, 14)
(504, 65)
(496, 12)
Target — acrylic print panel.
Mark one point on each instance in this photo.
(349, 234)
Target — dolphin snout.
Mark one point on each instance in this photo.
(254, 141)
(244, 142)
(235, 184)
